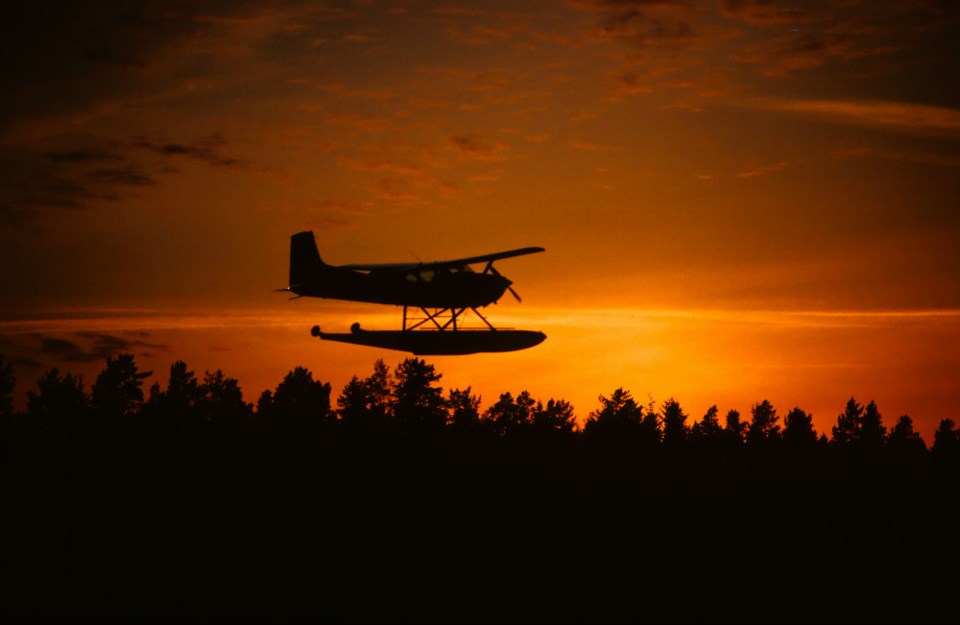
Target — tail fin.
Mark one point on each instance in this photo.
(304, 258)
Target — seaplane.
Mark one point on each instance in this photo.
(435, 296)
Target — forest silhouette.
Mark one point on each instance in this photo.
(396, 501)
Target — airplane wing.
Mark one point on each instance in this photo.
(382, 266)
(459, 262)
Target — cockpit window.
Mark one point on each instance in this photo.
(420, 276)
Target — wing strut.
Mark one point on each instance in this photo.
(445, 319)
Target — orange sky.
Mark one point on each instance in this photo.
(739, 200)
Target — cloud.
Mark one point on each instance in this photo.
(26, 195)
(761, 171)
(396, 190)
(764, 12)
(379, 165)
(289, 31)
(666, 45)
(538, 138)
(130, 176)
(483, 35)
(83, 155)
(87, 173)
(334, 213)
(207, 150)
(62, 349)
(365, 123)
(27, 362)
(28, 189)
(785, 37)
(797, 50)
(330, 222)
(73, 59)
(473, 146)
(592, 146)
(917, 119)
(480, 27)
(633, 83)
(914, 156)
(682, 106)
(648, 24)
(98, 346)
(736, 43)
(343, 206)
(494, 79)
(403, 191)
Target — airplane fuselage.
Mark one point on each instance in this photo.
(446, 288)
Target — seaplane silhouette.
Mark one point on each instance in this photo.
(435, 297)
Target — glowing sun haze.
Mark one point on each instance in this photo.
(740, 200)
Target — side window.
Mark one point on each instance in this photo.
(422, 276)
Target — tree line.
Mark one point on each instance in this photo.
(397, 501)
(410, 400)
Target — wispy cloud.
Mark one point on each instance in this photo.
(664, 45)
(91, 346)
(764, 12)
(785, 54)
(474, 146)
(592, 146)
(29, 188)
(396, 190)
(376, 164)
(474, 80)
(914, 156)
(903, 117)
(481, 35)
(84, 155)
(333, 213)
(91, 173)
(472, 27)
(344, 206)
(632, 83)
(208, 150)
(762, 170)
(784, 38)
(648, 23)
(130, 175)
(365, 123)
(746, 41)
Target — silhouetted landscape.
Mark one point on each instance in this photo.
(396, 500)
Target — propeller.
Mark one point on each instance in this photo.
(494, 271)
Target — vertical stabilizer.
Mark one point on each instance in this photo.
(305, 260)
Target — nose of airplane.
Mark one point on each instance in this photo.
(493, 288)
(498, 286)
(508, 287)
